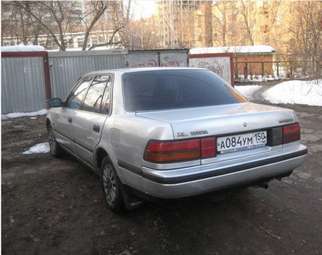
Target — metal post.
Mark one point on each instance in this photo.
(245, 71)
(291, 71)
(277, 69)
(236, 70)
(47, 76)
(159, 58)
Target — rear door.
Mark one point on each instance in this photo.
(89, 120)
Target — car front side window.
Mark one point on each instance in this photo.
(77, 96)
(94, 97)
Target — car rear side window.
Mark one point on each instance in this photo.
(173, 89)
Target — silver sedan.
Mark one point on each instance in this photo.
(171, 133)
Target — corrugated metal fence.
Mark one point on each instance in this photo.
(24, 85)
(67, 67)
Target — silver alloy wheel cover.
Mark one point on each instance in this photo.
(109, 184)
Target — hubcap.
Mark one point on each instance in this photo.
(109, 184)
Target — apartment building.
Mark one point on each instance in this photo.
(176, 19)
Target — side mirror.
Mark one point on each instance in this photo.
(55, 102)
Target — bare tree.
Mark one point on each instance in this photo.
(221, 20)
(53, 17)
(121, 20)
(109, 42)
(306, 33)
(248, 16)
(57, 18)
(120, 15)
(94, 12)
(143, 34)
(15, 23)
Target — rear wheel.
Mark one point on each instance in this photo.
(112, 186)
(54, 147)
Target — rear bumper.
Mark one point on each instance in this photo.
(205, 178)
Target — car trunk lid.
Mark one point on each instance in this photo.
(221, 120)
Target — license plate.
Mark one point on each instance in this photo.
(241, 142)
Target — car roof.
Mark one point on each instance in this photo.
(140, 69)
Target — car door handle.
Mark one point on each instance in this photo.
(96, 128)
(70, 120)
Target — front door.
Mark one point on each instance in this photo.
(64, 120)
(89, 119)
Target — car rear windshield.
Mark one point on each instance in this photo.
(173, 89)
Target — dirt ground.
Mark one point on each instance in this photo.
(55, 206)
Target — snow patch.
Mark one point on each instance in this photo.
(23, 114)
(22, 47)
(258, 78)
(296, 92)
(248, 90)
(38, 148)
(234, 49)
(99, 48)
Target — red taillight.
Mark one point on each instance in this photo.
(291, 133)
(171, 151)
(175, 151)
(208, 147)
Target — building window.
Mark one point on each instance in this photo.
(80, 42)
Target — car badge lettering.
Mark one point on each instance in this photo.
(199, 132)
(182, 134)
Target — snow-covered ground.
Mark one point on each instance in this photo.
(248, 90)
(295, 92)
(258, 78)
(288, 92)
(37, 148)
(234, 49)
(22, 47)
(23, 114)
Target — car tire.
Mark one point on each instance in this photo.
(112, 186)
(55, 149)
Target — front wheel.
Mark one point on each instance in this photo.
(112, 186)
(54, 147)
